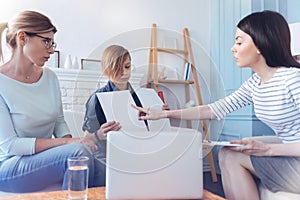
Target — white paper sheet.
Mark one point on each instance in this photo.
(117, 106)
(220, 143)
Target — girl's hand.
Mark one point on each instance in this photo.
(106, 127)
(90, 140)
(251, 147)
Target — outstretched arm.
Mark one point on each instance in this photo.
(193, 113)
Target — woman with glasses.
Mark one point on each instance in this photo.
(31, 113)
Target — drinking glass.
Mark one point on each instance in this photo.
(78, 173)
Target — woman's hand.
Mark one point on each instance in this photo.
(89, 141)
(149, 113)
(106, 127)
(165, 107)
(251, 147)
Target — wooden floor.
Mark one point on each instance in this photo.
(215, 188)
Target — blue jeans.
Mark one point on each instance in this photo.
(38, 171)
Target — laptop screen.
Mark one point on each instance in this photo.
(163, 165)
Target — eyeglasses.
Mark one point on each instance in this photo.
(48, 41)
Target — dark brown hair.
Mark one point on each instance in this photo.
(271, 35)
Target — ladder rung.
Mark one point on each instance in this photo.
(172, 50)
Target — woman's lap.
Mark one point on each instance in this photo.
(35, 172)
(278, 173)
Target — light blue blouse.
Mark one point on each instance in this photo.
(29, 111)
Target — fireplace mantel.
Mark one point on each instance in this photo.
(77, 85)
(91, 76)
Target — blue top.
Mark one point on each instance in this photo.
(29, 111)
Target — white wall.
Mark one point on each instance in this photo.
(84, 25)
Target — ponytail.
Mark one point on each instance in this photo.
(3, 26)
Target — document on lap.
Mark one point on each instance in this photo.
(220, 143)
(117, 107)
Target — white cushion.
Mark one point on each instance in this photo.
(74, 120)
(266, 194)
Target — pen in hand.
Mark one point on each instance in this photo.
(147, 126)
(146, 122)
(139, 104)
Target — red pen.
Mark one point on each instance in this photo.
(161, 95)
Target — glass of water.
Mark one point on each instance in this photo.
(78, 174)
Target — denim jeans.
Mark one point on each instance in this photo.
(36, 172)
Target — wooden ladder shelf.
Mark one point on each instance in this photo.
(153, 79)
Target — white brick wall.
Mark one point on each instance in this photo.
(77, 85)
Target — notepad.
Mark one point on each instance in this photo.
(117, 107)
(220, 143)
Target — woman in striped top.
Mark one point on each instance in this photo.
(262, 42)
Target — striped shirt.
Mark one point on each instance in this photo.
(276, 102)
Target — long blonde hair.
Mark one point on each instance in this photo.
(28, 21)
(112, 59)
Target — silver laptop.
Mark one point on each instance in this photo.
(154, 165)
